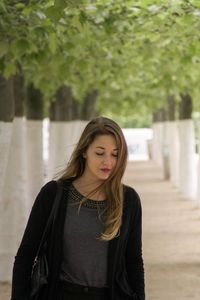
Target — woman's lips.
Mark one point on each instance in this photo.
(105, 170)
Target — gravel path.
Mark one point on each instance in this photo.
(171, 237)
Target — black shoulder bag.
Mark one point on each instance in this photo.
(39, 274)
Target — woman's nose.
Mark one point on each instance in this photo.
(107, 160)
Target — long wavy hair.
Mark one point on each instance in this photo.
(112, 187)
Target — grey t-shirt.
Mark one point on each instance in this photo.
(84, 257)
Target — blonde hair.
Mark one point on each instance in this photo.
(113, 187)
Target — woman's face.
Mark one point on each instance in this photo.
(101, 157)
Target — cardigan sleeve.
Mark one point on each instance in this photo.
(134, 259)
(30, 241)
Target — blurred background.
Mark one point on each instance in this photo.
(64, 62)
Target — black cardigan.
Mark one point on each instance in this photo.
(125, 262)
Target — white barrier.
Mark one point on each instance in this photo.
(138, 142)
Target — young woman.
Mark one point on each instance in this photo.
(95, 249)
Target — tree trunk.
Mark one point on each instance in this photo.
(76, 110)
(65, 129)
(88, 106)
(19, 158)
(34, 141)
(174, 153)
(185, 107)
(198, 172)
(6, 125)
(6, 100)
(188, 166)
(171, 140)
(13, 204)
(13, 192)
(187, 147)
(19, 95)
(62, 109)
(66, 108)
(160, 141)
(160, 115)
(155, 117)
(171, 108)
(34, 106)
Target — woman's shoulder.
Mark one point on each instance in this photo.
(47, 193)
(131, 196)
(130, 190)
(49, 187)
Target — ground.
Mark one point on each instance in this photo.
(171, 236)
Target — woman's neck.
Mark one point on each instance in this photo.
(89, 188)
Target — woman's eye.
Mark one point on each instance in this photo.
(100, 154)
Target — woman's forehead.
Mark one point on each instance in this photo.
(104, 141)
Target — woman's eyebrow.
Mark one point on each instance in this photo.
(100, 147)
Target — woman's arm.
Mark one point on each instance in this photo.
(30, 241)
(134, 260)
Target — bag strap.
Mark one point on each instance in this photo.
(52, 215)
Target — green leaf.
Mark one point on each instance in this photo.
(60, 3)
(27, 11)
(20, 5)
(9, 70)
(2, 7)
(19, 47)
(53, 13)
(196, 3)
(3, 48)
(53, 43)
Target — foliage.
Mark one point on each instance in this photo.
(134, 53)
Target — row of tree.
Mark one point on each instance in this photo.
(131, 54)
(17, 99)
(70, 60)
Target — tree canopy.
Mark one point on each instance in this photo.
(133, 53)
